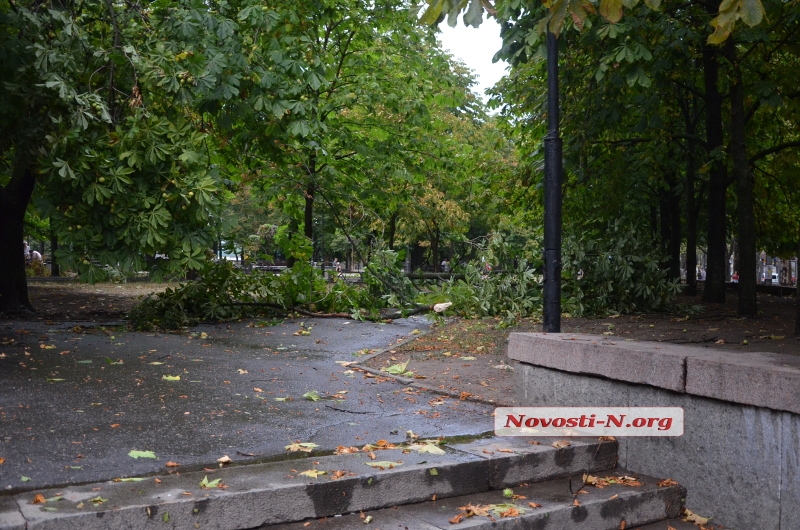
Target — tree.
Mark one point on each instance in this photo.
(124, 174)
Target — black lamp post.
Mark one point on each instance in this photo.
(552, 196)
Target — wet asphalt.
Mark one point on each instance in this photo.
(77, 398)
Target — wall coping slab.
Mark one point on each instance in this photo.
(770, 380)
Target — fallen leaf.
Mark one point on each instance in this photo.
(534, 505)
(39, 499)
(457, 518)
(510, 512)
(576, 502)
(2, 461)
(306, 447)
(98, 500)
(166, 377)
(622, 525)
(114, 425)
(561, 444)
(691, 517)
(342, 450)
(666, 483)
(773, 337)
(224, 459)
(488, 452)
(256, 389)
(613, 497)
(130, 479)
(311, 395)
(427, 448)
(367, 519)
(209, 484)
(142, 454)
(172, 464)
(505, 451)
(720, 341)
(313, 473)
(384, 464)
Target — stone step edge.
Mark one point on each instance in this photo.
(261, 493)
(554, 507)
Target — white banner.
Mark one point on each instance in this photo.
(588, 421)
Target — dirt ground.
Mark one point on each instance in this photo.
(468, 357)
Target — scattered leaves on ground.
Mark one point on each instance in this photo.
(342, 450)
(599, 482)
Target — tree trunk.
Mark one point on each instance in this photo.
(54, 268)
(691, 223)
(744, 191)
(797, 299)
(14, 198)
(392, 229)
(715, 272)
(308, 213)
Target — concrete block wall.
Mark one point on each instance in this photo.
(739, 457)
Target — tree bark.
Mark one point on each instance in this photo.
(308, 213)
(715, 272)
(14, 198)
(691, 222)
(392, 229)
(744, 191)
(55, 270)
(797, 300)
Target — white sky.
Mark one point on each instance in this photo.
(476, 47)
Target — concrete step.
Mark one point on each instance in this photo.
(277, 492)
(610, 508)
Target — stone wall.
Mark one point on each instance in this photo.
(740, 452)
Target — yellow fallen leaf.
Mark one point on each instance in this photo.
(306, 447)
(691, 517)
(224, 459)
(313, 473)
(561, 444)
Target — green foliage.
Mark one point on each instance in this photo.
(223, 293)
(503, 283)
(615, 271)
(384, 279)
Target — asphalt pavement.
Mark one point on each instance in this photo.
(83, 403)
